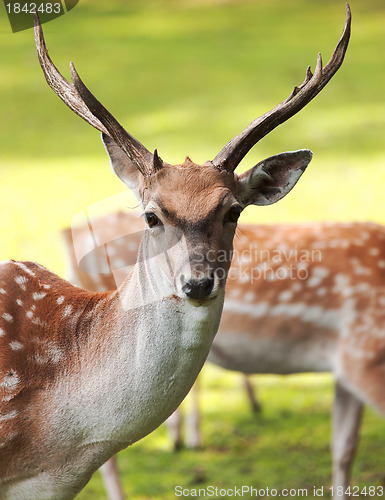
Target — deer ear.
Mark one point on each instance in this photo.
(271, 179)
(123, 167)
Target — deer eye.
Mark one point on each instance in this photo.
(151, 219)
(233, 214)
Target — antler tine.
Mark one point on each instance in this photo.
(235, 150)
(80, 100)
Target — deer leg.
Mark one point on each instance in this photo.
(255, 405)
(347, 413)
(193, 432)
(111, 480)
(174, 425)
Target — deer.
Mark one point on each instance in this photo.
(294, 294)
(86, 374)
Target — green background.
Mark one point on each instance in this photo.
(184, 77)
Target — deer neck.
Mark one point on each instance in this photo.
(153, 347)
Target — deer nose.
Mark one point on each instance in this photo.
(198, 289)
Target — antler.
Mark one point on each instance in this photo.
(78, 98)
(234, 151)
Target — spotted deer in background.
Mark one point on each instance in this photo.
(82, 374)
(299, 298)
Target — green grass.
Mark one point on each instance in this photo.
(186, 76)
(286, 446)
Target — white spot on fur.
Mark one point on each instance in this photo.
(38, 295)
(118, 263)
(2, 291)
(2, 332)
(25, 268)
(60, 300)
(47, 287)
(319, 244)
(344, 244)
(374, 251)
(132, 246)
(21, 281)
(288, 309)
(362, 271)
(67, 310)
(249, 297)
(52, 354)
(15, 345)
(40, 322)
(234, 293)
(243, 260)
(8, 317)
(40, 359)
(9, 415)
(19, 302)
(318, 274)
(362, 287)
(296, 287)
(381, 264)
(10, 381)
(341, 281)
(321, 292)
(323, 317)
(6, 398)
(255, 310)
(285, 296)
(111, 251)
(334, 243)
(29, 314)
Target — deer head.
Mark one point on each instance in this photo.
(200, 202)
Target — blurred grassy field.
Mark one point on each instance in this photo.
(286, 446)
(185, 77)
